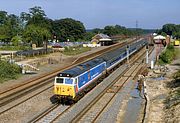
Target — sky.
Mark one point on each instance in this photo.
(149, 14)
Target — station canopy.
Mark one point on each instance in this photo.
(159, 37)
(105, 39)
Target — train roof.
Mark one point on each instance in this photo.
(81, 68)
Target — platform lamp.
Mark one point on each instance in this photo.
(127, 51)
(147, 52)
(45, 38)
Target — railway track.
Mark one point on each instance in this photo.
(20, 90)
(100, 105)
(17, 94)
(50, 114)
(53, 116)
(23, 91)
(24, 97)
(94, 109)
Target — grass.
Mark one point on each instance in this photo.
(2, 80)
(177, 53)
(174, 97)
(75, 50)
(13, 48)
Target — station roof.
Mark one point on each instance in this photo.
(159, 37)
(100, 37)
(105, 39)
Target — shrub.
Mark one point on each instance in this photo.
(167, 56)
(8, 71)
(177, 75)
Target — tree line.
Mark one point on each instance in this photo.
(170, 29)
(34, 27)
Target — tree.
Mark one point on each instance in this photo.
(3, 17)
(4, 29)
(37, 27)
(14, 23)
(97, 30)
(38, 18)
(177, 35)
(24, 17)
(163, 34)
(5, 33)
(16, 40)
(68, 28)
(169, 28)
(110, 30)
(36, 35)
(9, 26)
(88, 36)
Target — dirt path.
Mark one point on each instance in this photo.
(159, 92)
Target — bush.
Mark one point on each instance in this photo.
(167, 56)
(170, 47)
(177, 75)
(8, 71)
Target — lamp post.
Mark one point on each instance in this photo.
(147, 52)
(127, 51)
(46, 44)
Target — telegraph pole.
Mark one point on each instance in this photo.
(136, 29)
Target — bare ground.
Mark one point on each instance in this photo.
(161, 96)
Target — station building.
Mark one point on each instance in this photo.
(159, 39)
(102, 39)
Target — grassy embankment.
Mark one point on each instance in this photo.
(174, 97)
(173, 100)
(167, 57)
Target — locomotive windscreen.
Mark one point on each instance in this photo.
(59, 80)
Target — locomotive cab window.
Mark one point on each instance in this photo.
(75, 81)
(68, 81)
(59, 80)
